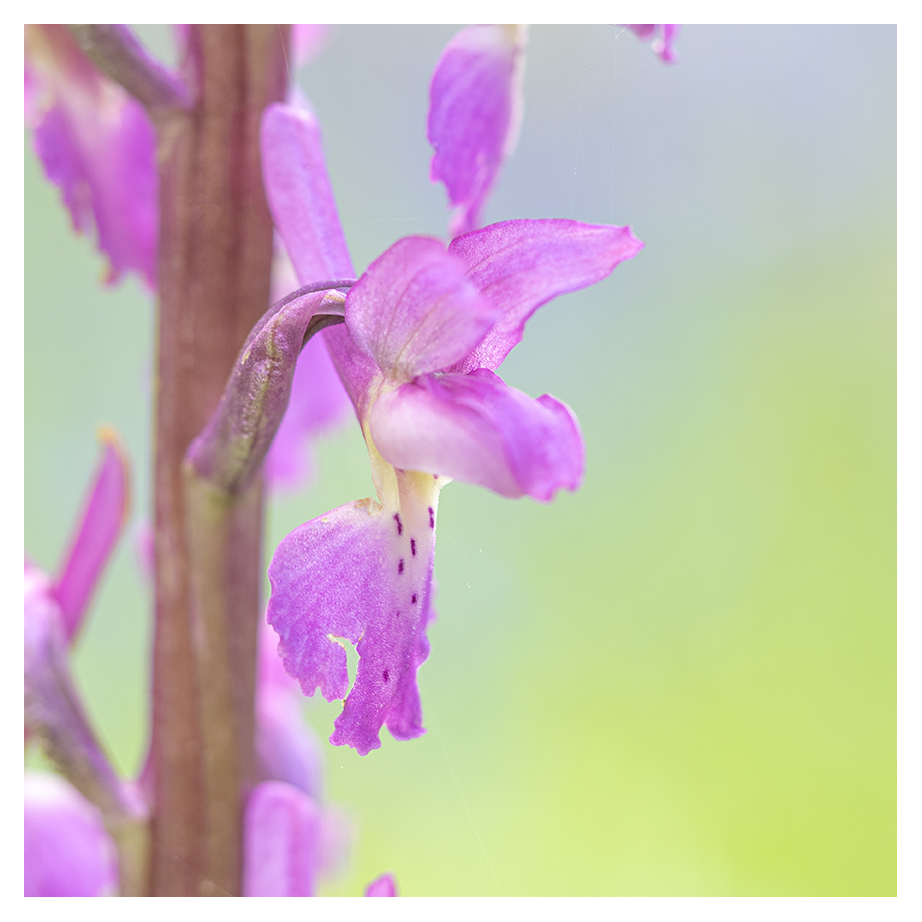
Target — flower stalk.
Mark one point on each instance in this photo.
(213, 281)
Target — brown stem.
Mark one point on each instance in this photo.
(119, 55)
(215, 256)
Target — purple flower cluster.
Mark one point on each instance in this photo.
(424, 330)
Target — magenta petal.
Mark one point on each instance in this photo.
(282, 841)
(385, 885)
(475, 104)
(414, 311)
(300, 195)
(98, 528)
(67, 851)
(520, 265)
(663, 43)
(97, 144)
(307, 41)
(304, 212)
(362, 574)
(475, 428)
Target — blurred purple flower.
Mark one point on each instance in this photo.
(424, 329)
(663, 40)
(67, 851)
(475, 110)
(97, 145)
(385, 885)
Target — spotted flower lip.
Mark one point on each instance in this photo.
(97, 145)
(425, 328)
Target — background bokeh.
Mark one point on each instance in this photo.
(681, 679)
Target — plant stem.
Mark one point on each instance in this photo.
(215, 257)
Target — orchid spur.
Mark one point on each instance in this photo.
(425, 327)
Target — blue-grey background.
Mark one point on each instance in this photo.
(680, 680)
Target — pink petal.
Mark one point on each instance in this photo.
(307, 41)
(100, 524)
(67, 851)
(363, 574)
(385, 885)
(304, 212)
(520, 265)
(475, 428)
(414, 311)
(663, 43)
(474, 114)
(97, 144)
(282, 841)
(300, 195)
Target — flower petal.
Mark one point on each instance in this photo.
(385, 885)
(307, 41)
(414, 311)
(282, 841)
(67, 850)
(300, 196)
(98, 528)
(97, 144)
(475, 106)
(477, 429)
(663, 43)
(520, 265)
(304, 212)
(362, 573)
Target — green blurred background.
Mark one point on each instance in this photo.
(681, 679)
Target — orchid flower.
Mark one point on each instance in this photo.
(67, 851)
(425, 327)
(385, 885)
(663, 40)
(97, 144)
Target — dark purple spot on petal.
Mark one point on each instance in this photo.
(413, 546)
(431, 518)
(386, 676)
(413, 600)
(435, 476)
(400, 566)
(399, 523)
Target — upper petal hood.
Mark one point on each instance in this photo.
(474, 428)
(414, 311)
(520, 265)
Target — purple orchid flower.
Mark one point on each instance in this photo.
(97, 145)
(663, 40)
(385, 885)
(67, 849)
(475, 111)
(425, 327)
